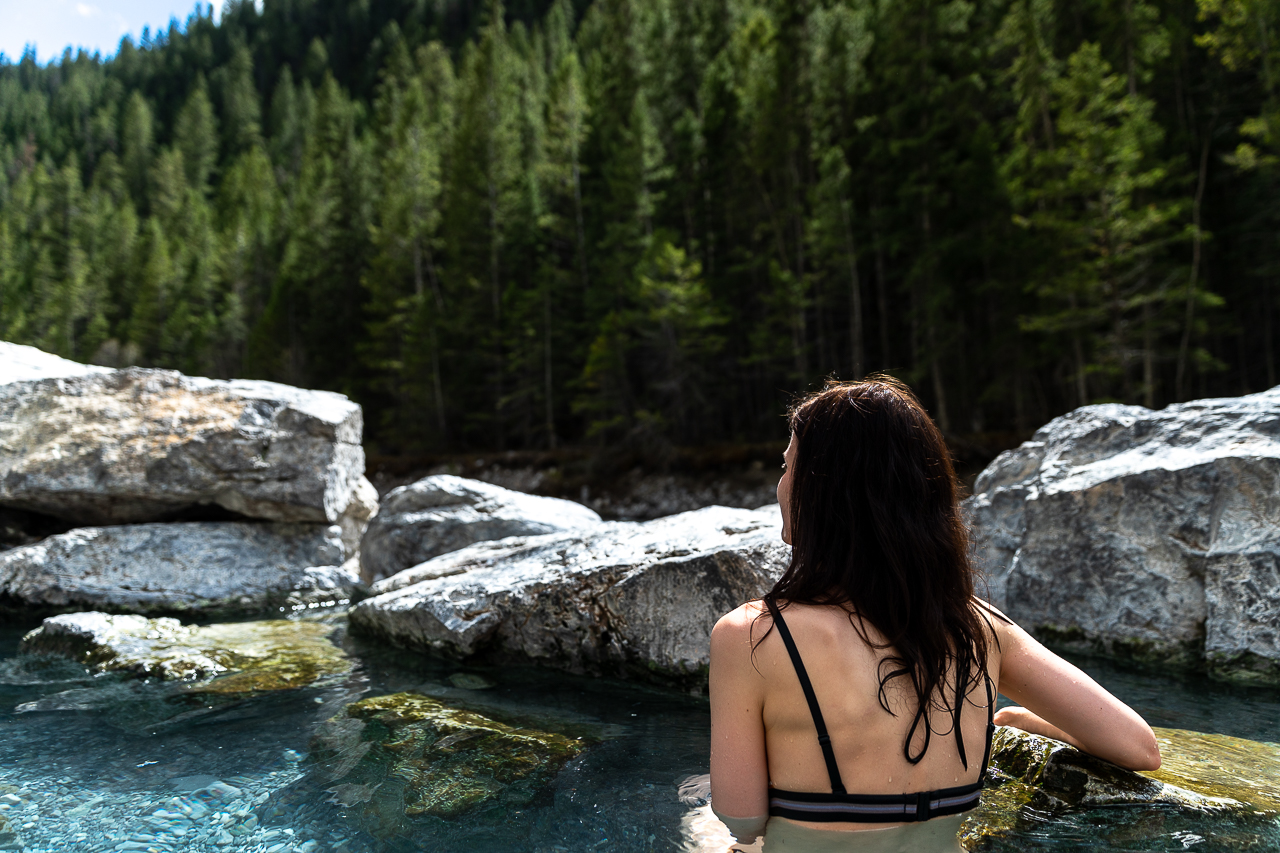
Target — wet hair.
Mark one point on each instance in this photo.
(876, 529)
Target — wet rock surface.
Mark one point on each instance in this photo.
(443, 513)
(629, 598)
(193, 567)
(1151, 535)
(228, 658)
(1204, 777)
(407, 755)
(138, 445)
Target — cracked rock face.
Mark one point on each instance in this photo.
(96, 446)
(196, 567)
(1152, 535)
(623, 598)
(443, 513)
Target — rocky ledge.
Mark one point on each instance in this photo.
(628, 598)
(191, 567)
(94, 446)
(1148, 535)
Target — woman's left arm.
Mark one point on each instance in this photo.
(739, 765)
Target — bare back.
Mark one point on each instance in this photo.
(867, 740)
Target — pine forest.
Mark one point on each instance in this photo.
(590, 222)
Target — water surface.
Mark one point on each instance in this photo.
(106, 763)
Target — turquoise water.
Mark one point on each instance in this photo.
(110, 764)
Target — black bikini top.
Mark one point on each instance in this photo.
(840, 805)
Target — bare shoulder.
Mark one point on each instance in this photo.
(736, 632)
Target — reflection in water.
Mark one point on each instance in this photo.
(703, 833)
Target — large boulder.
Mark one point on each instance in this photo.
(1151, 535)
(95, 446)
(623, 597)
(194, 567)
(443, 513)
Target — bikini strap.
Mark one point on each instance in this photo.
(824, 740)
(991, 726)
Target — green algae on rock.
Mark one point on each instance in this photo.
(1211, 776)
(410, 755)
(1221, 766)
(226, 659)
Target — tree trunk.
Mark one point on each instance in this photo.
(856, 346)
(1189, 314)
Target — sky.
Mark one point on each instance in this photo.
(92, 24)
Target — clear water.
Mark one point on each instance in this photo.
(125, 765)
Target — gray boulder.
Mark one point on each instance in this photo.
(195, 567)
(125, 446)
(622, 598)
(20, 363)
(443, 513)
(1152, 535)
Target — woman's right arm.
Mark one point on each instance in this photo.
(1060, 701)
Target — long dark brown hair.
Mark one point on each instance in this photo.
(876, 529)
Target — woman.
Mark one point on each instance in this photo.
(860, 693)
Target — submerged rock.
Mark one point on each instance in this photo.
(623, 597)
(231, 658)
(196, 567)
(136, 445)
(443, 513)
(388, 757)
(1152, 535)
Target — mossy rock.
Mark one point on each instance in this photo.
(225, 659)
(1245, 771)
(401, 755)
(1207, 780)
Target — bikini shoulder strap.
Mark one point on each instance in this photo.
(991, 725)
(824, 740)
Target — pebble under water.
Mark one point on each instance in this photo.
(108, 763)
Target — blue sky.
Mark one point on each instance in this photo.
(93, 24)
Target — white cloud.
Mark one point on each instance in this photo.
(84, 10)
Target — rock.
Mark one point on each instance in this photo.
(135, 445)
(20, 363)
(1216, 765)
(1150, 535)
(443, 513)
(1209, 778)
(623, 597)
(227, 659)
(388, 757)
(354, 520)
(193, 567)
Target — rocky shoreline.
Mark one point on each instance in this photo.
(129, 497)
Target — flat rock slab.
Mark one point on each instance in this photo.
(443, 513)
(626, 598)
(136, 445)
(406, 755)
(1149, 535)
(191, 567)
(228, 659)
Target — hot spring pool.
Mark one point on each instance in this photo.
(105, 763)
